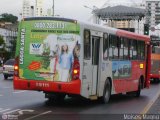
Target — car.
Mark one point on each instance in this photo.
(8, 68)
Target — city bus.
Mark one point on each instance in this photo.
(155, 61)
(61, 56)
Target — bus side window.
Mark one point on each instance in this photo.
(121, 46)
(105, 46)
(113, 47)
(130, 49)
(141, 49)
(126, 48)
(110, 47)
(87, 44)
(134, 48)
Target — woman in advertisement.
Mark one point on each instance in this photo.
(65, 63)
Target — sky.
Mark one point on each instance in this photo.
(64, 8)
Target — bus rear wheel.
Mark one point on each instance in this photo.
(138, 92)
(56, 98)
(156, 80)
(107, 92)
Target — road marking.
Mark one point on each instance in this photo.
(1, 95)
(11, 111)
(38, 115)
(7, 87)
(21, 112)
(4, 110)
(19, 92)
(149, 105)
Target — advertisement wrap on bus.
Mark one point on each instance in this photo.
(46, 54)
(60, 57)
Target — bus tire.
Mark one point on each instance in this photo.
(55, 98)
(106, 92)
(156, 80)
(5, 77)
(138, 92)
(59, 97)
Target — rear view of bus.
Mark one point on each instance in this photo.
(47, 56)
(155, 62)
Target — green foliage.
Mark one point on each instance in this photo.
(2, 45)
(1, 40)
(8, 18)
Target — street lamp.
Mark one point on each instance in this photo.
(95, 17)
(53, 7)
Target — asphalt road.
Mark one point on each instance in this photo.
(31, 105)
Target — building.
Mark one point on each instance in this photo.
(39, 8)
(152, 12)
(9, 33)
(36, 8)
(123, 17)
(128, 15)
(28, 9)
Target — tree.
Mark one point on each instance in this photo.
(13, 48)
(2, 47)
(2, 43)
(9, 18)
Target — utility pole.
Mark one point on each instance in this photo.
(53, 8)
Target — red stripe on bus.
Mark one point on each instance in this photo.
(72, 87)
(131, 35)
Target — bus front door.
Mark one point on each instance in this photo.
(95, 63)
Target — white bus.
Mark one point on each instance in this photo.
(67, 57)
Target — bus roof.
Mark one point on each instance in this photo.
(110, 30)
(132, 35)
(49, 18)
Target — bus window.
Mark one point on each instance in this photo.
(105, 46)
(155, 47)
(130, 49)
(134, 49)
(126, 55)
(141, 49)
(87, 45)
(113, 47)
(121, 46)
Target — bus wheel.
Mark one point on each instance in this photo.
(55, 98)
(5, 77)
(138, 92)
(59, 97)
(107, 92)
(156, 80)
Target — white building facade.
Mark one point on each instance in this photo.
(8, 37)
(36, 8)
(153, 12)
(39, 8)
(28, 9)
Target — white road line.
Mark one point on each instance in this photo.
(11, 111)
(4, 110)
(38, 115)
(19, 92)
(1, 95)
(7, 87)
(151, 102)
